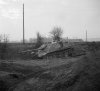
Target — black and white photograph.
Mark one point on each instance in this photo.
(49, 45)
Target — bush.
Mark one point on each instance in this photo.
(39, 41)
(3, 50)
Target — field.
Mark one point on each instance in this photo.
(80, 73)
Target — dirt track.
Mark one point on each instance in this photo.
(75, 74)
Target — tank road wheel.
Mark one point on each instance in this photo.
(65, 53)
(45, 57)
(70, 52)
(49, 56)
(54, 55)
(57, 55)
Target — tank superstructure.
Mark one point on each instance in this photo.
(57, 50)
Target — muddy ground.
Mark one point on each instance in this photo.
(80, 73)
(71, 74)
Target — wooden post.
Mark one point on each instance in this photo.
(86, 35)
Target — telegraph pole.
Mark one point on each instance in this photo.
(23, 27)
(86, 35)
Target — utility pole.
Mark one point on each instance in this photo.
(23, 27)
(86, 35)
(67, 40)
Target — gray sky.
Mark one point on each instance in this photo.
(73, 16)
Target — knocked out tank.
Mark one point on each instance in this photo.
(57, 50)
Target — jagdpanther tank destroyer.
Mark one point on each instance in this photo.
(57, 50)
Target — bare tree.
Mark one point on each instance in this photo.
(56, 33)
(1, 38)
(4, 46)
(5, 38)
(39, 40)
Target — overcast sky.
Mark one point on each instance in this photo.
(73, 16)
